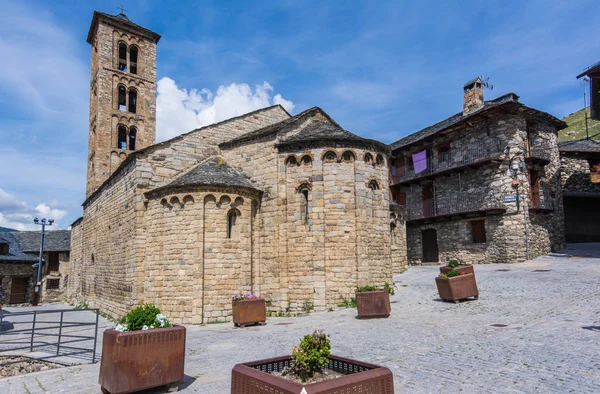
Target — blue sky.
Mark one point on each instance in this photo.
(381, 69)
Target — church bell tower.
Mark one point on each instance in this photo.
(122, 93)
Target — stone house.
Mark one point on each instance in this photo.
(19, 250)
(292, 208)
(483, 185)
(580, 175)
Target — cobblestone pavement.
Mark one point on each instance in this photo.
(551, 341)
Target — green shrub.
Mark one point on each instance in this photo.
(145, 317)
(453, 273)
(453, 263)
(311, 355)
(351, 303)
(390, 288)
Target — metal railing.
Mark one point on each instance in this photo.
(454, 204)
(452, 159)
(48, 331)
(539, 149)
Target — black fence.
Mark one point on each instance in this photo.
(452, 204)
(59, 333)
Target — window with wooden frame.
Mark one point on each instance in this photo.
(53, 261)
(3, 248)
(478, 231)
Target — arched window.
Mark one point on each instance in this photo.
(122, 103)
(291, 161)
(368, 158)
(392, 229)
(122, 57)
(133, 58)
(306, 159)
(330, 157)
(231, 219)
(348, 156)
(132, 135)
(373, 185)
(122, 138)
(304, 190)
(379, 160)
(93, 261)
(132, 100)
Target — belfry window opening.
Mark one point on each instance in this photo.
(133, 56)
(132, 135)
(122, 103)
(132, 101)
(122, 138)
(122, 57)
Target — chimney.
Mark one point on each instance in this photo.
(473, 96)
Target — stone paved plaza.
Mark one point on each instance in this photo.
(551, 341)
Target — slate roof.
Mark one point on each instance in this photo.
(507, 99)
(212, 172)
(584, 145)
(2, 229)
(589, 70)
(15, 253)
(54, 241)
(323, 131)
(120, 20)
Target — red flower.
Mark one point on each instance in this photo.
(461, 273)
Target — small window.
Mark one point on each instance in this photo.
(348, 156)
(373, 185)
(122, 103)
(306, 159)
(133, 58)
(52, 284)
(291, 161)
(132, 135)
(443, 153)
(401, 198)
(3, 248)
(379, 160)
(122, 57)
(132, 101)
(330, 157)
(305, 205)
(122, 138)
(478, 230)
(231, 219)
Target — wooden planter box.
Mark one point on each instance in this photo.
(139, 360)
(373, 304)
(466, 269)
(457, 287)
(360, 377)
(249, 312)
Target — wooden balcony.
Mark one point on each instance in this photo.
(462, 204)
(542, 201)
(456, 159)
(539, 151)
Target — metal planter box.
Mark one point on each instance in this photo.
(457, 287)
(138, 360)
(249, 312)
(373, 304)
(466, 269)
(360, 377)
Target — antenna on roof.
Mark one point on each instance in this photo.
(122, 9)
(485, 82)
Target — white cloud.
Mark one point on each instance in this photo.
(17, 214)
(179, 110)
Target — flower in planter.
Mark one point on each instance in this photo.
(143, 317)
(451, 274)
(453, 263)
(310, 356)
(390, 288)
(247, 296)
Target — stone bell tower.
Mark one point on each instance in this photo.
(122, 93)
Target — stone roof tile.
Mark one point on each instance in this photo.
(54, 241)
(583, 145)
(15, 253)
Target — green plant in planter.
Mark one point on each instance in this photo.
(390, 288)
(310, 356)
(453, 263)
(451, 274)
(143, 317)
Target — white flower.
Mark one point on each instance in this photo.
(121, 328)
(145, 328)
(151, 327)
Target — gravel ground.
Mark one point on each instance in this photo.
(548, 341)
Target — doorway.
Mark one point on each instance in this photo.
(430, 246)
(18, 290)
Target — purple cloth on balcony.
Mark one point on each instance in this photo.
(420, 161)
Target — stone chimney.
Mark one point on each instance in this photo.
(473, 96)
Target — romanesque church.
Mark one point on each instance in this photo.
(292, 208)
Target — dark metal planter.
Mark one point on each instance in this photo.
(360, 377)
(457, 288)
(373, 304)
(138, 360)
(465, 269)
(249, 312)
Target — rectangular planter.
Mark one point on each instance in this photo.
(359, 377)
(467, 269)
(373, 304)
(139, 360)
(457, 287)
(249, 312)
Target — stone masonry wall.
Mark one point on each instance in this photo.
(575, 174)
(8, 271)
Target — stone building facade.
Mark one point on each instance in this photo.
(292, 208)
(580, 176)
(490, 188)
